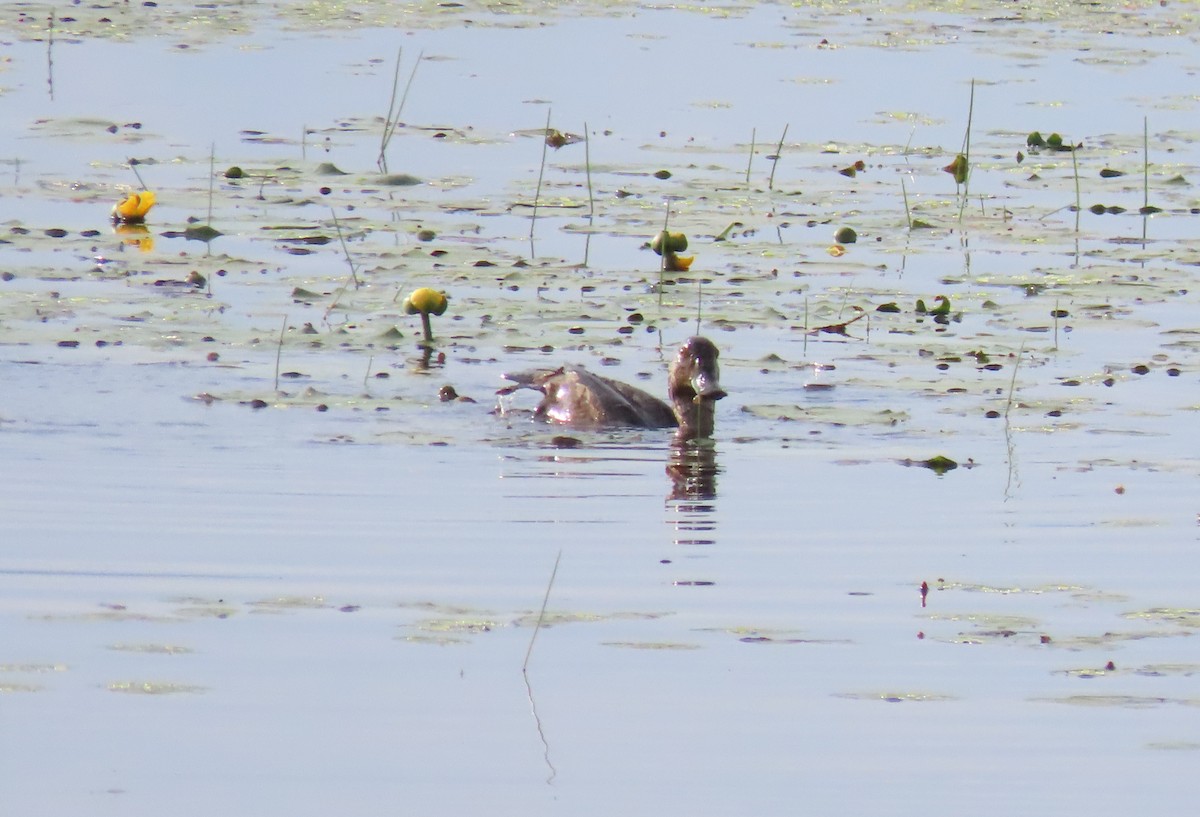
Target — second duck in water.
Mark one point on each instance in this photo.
(576, 397)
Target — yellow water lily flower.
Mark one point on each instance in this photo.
(426, 302)
(133, 209)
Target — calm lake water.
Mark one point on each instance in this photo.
(213, 608)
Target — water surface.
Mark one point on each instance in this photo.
(211, 607)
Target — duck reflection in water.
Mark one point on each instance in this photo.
(693, 471)
(573, 396)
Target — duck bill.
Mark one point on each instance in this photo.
(707, 386)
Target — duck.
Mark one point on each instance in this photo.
(576, 397)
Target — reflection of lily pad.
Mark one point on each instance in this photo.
(1122, 701)
(151, 649)
(896, 697)
(154, 688)
(651, 645)
(549, 619)
(832, 415)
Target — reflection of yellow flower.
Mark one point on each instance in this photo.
(133, 209)
(678, 263)
(135, 235)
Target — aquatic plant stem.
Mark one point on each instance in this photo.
(541, 614)
(537, 193)
(775, 158)
(1145, 163)
(50, 55)
(966, 152)
(212, 175)
(662, 262)
(750, 159)
(1078, 198)
(392, 121)
(907, 211)
(1008, 443)
(587, 164)
(279, 351)
(1012, 384)
(805, 349)
(345, 248)
(133, 165)
(386, 136)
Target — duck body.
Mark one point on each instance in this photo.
(576, 397)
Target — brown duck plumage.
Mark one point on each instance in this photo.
(576, 397)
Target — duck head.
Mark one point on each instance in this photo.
(695, 376)
(694, 385)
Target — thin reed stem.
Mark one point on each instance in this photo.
(541, 614)
(279, 351)
(750, 159)
(537, 194)
(775, 158)
(587, 163)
